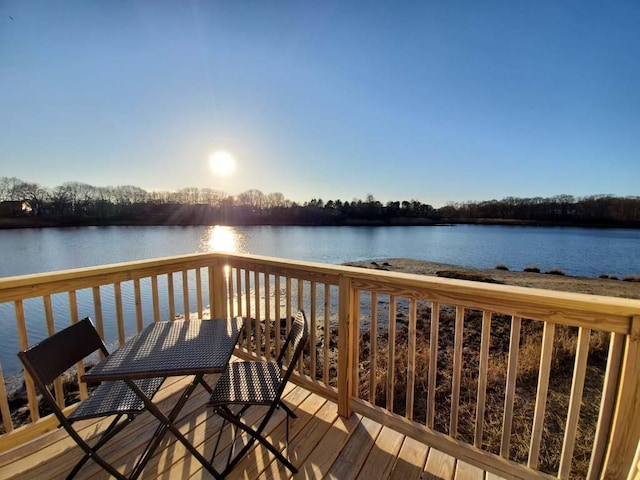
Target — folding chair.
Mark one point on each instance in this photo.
(53, 356)
(258, 383)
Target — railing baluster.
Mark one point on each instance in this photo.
(373, 341)
(199, 303)
(482, 377)
(355, 342)
(247, 298)
(411, 357)
(117, 288)
(327, 334)
(300, 284)
(155, 293)
(73, 312)
(137, 294)
(24, 344)
(256, 296)
(288, 309)
(510, 390)
(4, 405)
(185, 294)
(231, 307)
(239, 291)
(541, 395)
(51, 330)
(433, 364)
(577, 385)
(312, 337)
(391, 345)
(212, 295)
(278, 321)
(171, 295)
(267, 316)
(457, 371)
(97, 309)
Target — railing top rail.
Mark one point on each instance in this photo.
(612, 314)
(38, 284)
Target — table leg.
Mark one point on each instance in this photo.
(166, 423)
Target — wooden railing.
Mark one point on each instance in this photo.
(521, 382)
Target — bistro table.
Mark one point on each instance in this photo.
(165, 349)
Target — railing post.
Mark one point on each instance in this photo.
(345, 345)
(625, 427)
(218, 289)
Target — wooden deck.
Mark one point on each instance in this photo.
(322, 445)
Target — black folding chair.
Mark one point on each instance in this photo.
(258, 383)
(53, 356)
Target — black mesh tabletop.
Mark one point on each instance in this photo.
(180, 347)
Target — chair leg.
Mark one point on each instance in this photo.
(113, 429)
(228, 414)
(215, 449)
(288, 410)
(255, 435)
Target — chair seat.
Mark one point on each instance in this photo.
(116, 397)
(255, 383)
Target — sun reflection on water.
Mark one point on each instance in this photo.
(222, 239)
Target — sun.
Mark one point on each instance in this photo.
(222, 163)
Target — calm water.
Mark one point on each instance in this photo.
(576, 251)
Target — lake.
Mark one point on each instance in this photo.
(575, 251)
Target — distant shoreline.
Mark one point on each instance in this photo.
(592, 286)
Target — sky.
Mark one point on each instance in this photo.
(438, 101)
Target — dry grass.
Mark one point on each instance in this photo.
(526, 384)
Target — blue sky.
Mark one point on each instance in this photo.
(434, 101)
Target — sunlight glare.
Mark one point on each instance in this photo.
(220, 239)
(222, 163)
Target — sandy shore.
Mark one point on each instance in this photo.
(593, 286)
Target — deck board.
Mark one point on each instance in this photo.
(439, 466)
(355, 452)
(322, 445)
(410, 461)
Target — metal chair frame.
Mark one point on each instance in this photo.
(49, 359)
(268, 392)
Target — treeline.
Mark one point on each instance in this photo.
(76, 203)
(560, 209)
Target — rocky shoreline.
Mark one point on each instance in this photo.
(547, 281)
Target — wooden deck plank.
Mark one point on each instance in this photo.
(382, 456)
(319, 462)
(410, 461)
(465, 471)
(355, 452)
(439, 466)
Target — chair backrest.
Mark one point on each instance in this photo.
(47, 360)
(296, 339)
